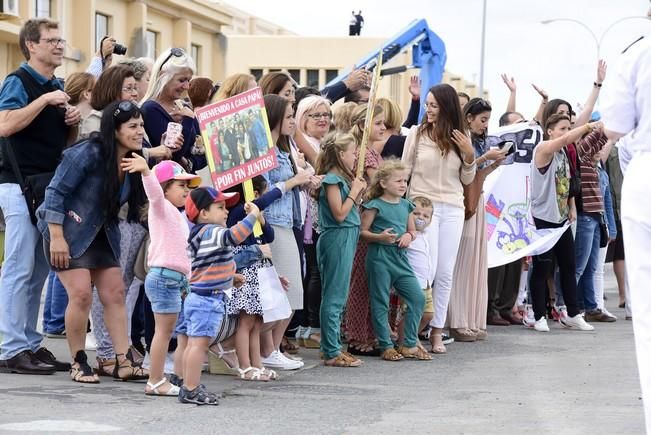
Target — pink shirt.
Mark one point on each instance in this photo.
(168, 229)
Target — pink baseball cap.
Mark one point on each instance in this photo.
(169, 170)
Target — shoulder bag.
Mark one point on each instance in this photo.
(32, 186)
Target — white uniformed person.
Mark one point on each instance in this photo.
(626, 110)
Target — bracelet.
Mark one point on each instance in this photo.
(597, 85)
(588, 128)
(352, 199)
(411, 233)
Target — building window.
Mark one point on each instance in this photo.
(256, 72)
(151, 38)
(331, 74)
(195, 53)
(296, 74)
(313, 78)
(43, 8)
(101, 29)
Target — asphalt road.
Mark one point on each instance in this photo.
(518, 381)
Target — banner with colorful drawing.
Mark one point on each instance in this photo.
(239, 144)
(510, 231)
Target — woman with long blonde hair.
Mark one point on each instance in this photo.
(163, 102)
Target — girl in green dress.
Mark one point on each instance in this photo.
(339, 225)
(389, 227)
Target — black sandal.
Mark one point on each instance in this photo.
(354, 350)
(137, 373)
(84, 370)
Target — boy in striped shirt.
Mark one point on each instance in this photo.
(213, 271)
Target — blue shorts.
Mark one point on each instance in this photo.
(203, 314)
(181, 327)
(163, 288)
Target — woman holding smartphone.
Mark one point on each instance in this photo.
(469, 296)
(162, 104)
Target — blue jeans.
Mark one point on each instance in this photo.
(54, 309)
(587, 255)
(23, 275)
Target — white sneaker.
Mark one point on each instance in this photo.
(528, 320)
(146, 362)
(291, 359)
(169, 363)
(541, 325)
(576, 322)
(277, 360)
(91, 343)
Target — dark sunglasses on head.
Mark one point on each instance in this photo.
(176, 52)
(124, 107)
(483, 104)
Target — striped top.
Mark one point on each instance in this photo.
(211, 251)
(588, 148)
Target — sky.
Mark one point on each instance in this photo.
(560, 57)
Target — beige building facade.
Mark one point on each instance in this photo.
(222, 39)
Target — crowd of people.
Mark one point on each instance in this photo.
(128, 231)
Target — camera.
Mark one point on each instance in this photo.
(119, 49)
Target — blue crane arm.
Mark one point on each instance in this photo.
(428, 54)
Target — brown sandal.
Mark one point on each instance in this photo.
(105, 366)
(415, 352)
(289, 346)
(343, 360)
(136, 373)
(391, 355)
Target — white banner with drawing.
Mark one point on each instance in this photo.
(510, 231)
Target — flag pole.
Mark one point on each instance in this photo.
(370, 110)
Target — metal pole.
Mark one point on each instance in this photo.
(483, 50)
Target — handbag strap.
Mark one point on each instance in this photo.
(13, 162)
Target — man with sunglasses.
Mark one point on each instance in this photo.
(36, 122)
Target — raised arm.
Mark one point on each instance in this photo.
(588, 107)
(414, 107)
(546, 149)
(543, 102)
(510, 83)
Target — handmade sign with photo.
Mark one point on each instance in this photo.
(237, 139)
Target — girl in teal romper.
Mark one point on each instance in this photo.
(388, 226)
(339, 225)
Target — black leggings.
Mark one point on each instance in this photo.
(312, 287)
(543, 268)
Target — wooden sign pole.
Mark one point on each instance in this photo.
(370, 110)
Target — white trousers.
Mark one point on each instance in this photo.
(444, 236)
(636, 225)
(599, 278)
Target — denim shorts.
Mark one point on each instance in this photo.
(163, 288)
(181, 327)
(203, 314)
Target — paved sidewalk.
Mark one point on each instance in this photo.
(518, 381)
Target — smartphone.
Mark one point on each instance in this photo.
(507, 145)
